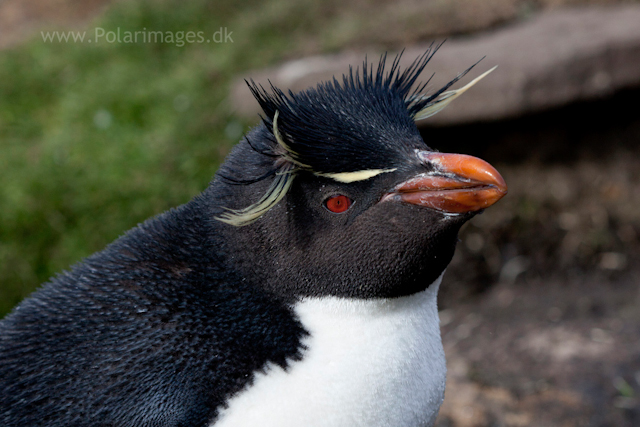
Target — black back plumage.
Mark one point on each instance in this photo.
(152, 331)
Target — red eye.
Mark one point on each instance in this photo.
(338, 204)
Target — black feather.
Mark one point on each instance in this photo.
(154, 331)
(365, 122)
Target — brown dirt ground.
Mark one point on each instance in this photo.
(545, 353)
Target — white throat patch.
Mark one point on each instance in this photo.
(368, 363)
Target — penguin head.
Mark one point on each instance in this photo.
(336, 192)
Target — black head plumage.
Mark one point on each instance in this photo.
(354, 125)
(364, 124)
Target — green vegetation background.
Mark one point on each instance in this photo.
(95, 138)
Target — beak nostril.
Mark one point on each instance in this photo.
(431, 161)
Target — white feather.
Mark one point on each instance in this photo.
(368, 363)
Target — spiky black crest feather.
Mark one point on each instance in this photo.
(358, 127)
(343, 127)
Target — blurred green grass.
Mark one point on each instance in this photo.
(95, 138)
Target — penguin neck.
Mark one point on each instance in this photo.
(372, 362)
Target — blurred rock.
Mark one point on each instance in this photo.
(553, 59)
(613, 261)
(513, 268)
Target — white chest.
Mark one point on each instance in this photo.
(367, 363)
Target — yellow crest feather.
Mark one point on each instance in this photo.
(445, 98)
(278, 189)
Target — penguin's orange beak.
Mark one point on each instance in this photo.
(456, 184)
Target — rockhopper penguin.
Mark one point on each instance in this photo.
(299, 289)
